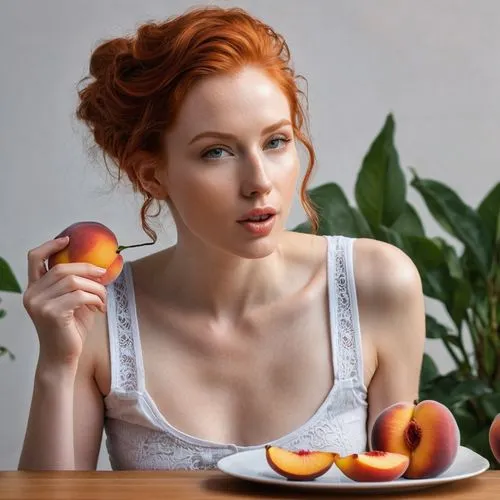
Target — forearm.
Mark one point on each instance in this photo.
(48, 443)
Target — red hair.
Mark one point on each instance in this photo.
(138, 83)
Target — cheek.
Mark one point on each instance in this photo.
(287, 174)
(200, 193)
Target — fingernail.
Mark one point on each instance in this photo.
(62, 238)
(100, 270)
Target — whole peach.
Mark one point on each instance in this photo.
(494, 437)
(91, 242)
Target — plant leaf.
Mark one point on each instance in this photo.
(8, 282)
(457, 218)
(441, 387)
(491, 404)
(435, 283)
(450, 257)
(434, 329)
(409, 222)
(491, 357)
(335, 214)
(489, 211)
(467, 390)
(429, 260)
(459, 301)
(467, 423)
(303, 227)
(380, 189)
(480, 444)
(428, 372)
(364, 230)
(4, 350)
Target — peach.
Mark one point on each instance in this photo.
(373, 466)
(494, 437)
(426, 432)
(94, 243)
(302, 465)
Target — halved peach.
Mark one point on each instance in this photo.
(426, 432)
(302, 465)
(373, 466)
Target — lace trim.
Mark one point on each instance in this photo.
(345, 330)
(127, 359)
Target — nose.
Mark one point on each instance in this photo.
(255, 179)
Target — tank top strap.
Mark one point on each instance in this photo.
(343, 305)
(127, 370)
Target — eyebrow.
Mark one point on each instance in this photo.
(225, 135)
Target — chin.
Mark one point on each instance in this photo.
(255, 248)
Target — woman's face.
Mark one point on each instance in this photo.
(232, 150)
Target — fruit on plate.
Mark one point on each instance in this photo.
(301, 465)
(494, 437)
(373, 466)
(94, 243)
(426, 432)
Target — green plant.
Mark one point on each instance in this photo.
(466, 283)
(8, 283)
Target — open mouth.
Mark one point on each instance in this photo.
(259, 218)
(259, 225)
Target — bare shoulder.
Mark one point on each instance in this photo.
(390, 303)
(386, 278)
(306, 249)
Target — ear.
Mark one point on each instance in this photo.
(149, 172)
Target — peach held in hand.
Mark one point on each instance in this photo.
(373, 466)
(494, 437)
(300, 465)
(94, 243)
(426, 432)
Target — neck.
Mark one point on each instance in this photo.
(220, 284)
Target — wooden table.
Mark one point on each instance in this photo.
(206, 485)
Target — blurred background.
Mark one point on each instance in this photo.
(433, 64)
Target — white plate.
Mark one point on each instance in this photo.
(252, 465)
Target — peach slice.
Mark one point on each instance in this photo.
(302, 465)
(426, 432)
(373, 466)
(494, 437)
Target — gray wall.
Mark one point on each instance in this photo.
(434, 64)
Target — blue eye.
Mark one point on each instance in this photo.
(278, 142)
(214, 154)
(217, 153)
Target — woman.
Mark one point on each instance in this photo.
(249, 334)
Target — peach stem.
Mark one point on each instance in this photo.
(123, 247)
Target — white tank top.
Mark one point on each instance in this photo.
(138, 436)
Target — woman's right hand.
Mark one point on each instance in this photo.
(62, 302)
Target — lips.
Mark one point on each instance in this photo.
(258, 214)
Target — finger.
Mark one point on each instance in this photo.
(74, 300)
(70, 284)
(37, 257)
(61, 271)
